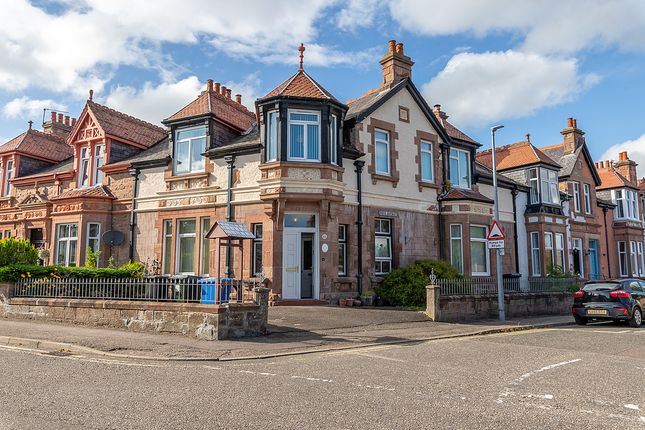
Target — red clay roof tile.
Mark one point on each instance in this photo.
(220, 106)
(301, 85)
(40, 145)
(515, 155)
(99, 191)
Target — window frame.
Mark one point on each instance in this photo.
(534, 195)
(622, 258)
(633, 250)
(559, 250)
(97, 162)
(333, 140)
(272, 133)
(456, 157)
(204, 245)
(256, 241)
(177, 141)
(536, 260)
(342, 249)
(641, 258)
(305, 141)
(549, 251)
(429, 152)
(549, 187)
(587, 197)
(577, 207)
(166, 262)
(84, 160)
(8, 175)
(180, 236)
(96, 238)
(483, 241)
(454, 238)
(388, 237)
(67, 240)
(387, 143)
(578, 243)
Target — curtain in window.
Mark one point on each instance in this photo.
(297, 141)
(312, 142)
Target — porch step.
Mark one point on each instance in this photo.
(301, 302)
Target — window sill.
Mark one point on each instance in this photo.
(388, 178)
(427, 184)
(185, 176)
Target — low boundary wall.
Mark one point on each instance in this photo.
(466, 308)
(201, 321)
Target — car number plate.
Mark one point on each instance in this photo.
(596, 312)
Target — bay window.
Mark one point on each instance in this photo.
(641, 258)
(549, 255)
(186, 246)
(479, 255)
(93, 236)
(534, 185)
(205, 246)
(626, 204)
(272, 136)
(382, 147)
(634, 259)
(427, 170)
(66, 244)
(459, 168)
(559, 251)
(304, 135)
(382, 246)
(167, 247)
(190, 144)
(333, 140)
(456, 248)
(549, 184)
(536, 269)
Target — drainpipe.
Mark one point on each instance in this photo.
(442, 253)
(230, 159)
(514, 193)
(359, 164)
(133, 220)
(604, 216)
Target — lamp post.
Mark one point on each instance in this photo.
(498, 260)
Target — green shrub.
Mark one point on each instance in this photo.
(17, 251)
(407, 286)
(136, 268)
(18, 271)
(92, 259)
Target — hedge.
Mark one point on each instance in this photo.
(407, 286)
(17, 271)
(17, 251)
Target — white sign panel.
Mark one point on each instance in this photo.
(495, 244)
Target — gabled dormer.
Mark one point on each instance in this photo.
(301, 121)
(103, 137)
(210, 121)
(619, 184)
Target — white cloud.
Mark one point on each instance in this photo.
(543, 26)
(635, 150)
(24, 107)
(482, 88)
(357, 14)
(155, 103)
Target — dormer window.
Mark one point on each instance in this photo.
(272, 136)
(190, 144)
(626, 204)
(543, 184)
(459, 168)
(304, 135)
(8, 174)
(84, 167)
(99, 153)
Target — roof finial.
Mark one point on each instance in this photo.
(30, 122)
(91, 95)
(528, 137)
(302, 55)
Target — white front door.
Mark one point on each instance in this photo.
(291, 265)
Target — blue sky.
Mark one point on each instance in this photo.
(527, 65)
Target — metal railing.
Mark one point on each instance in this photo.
(488, 285)
(153, 289)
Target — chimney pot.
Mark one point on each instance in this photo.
(223, 90)
(238, 98)
(437, 108)
(53, 117)
(66, 119)
(570, 122)
(601, 164)
(228, 93)
(73, 122)
(391, 46)
(399, 48)
(209, 85)
(575, 123)
(623, 156)
(60, 118)
(217, 87)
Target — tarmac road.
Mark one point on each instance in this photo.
(571, 377)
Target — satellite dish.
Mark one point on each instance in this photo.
(113, 237)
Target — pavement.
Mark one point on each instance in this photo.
(565, 377)
(292, 331)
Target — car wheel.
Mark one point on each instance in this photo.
(580, 320)
(637, 318)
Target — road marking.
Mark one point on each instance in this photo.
(376, 387)
(509, 392)
(631, 406)
(311, 379)
(379, 357)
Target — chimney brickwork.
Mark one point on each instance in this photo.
(59, 125)
(626, 167)
(396, 65)
(573, 136)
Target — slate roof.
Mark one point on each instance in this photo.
(218, 105)
(61, 167)
(39, 144)
(158, 151)
(233, 230)
(301, 85)
(485, 171)
(249, 140)
(568, 161)
(515, 155)
(463, 194)
(98, 191)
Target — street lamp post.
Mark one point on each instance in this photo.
(500, 281)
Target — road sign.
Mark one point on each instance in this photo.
(496, 232)
(495, 244)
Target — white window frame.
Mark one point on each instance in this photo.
(386, 142)
(166, 260)
(204, 245)
(622, 258)
(549, 249)
(486, 250)
(190, 140)
(549, 190)
(8, 174)
(342, 248)
(272, 136)
(97, 163)
(459, 238)
(181, 236)
(587, 196)
(641, 258)
(559, 250)
(536, 261)
(66, 241)
(428, 151)
(96, 238)
(388, 236)
(634, 257)
(305, 124)
(576, 197)
(254, 250)
(84, 159)
(619, 199)
(454, 155)
(534, 181)
(333, 140)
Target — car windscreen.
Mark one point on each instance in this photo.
(601, 286)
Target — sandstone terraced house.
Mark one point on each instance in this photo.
(337, 194)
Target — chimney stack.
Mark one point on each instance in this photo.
(217, 87)
(58, 125)
(439, 114)
(626, 167)
(573, 136)
(73, 122)
(238, 98)
(223, 90)
(209, 85)
(228, 93)
(395, 64)
(60, 118)
(66, 119)
(53, 117)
